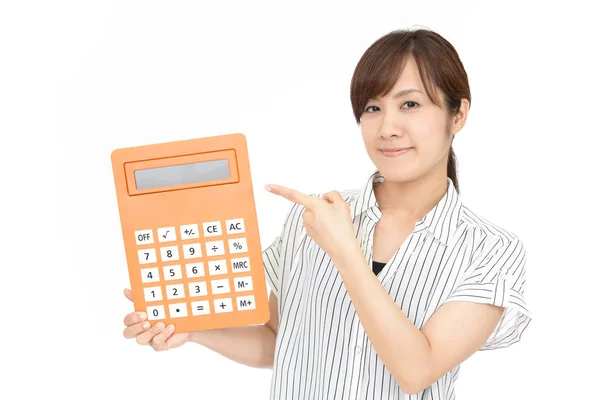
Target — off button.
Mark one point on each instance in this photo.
(144, 237)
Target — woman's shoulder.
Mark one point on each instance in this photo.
(486, 232)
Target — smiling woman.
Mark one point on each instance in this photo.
(382, 291)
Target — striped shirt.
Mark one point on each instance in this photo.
(453, 254)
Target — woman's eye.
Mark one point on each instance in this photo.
(411, 102)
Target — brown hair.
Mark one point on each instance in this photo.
(439, 66)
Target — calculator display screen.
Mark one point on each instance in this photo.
(182, 174)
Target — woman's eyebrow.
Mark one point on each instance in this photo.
(405, 92)
(401, 93)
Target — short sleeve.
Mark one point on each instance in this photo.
(498, 277)
(271, 260)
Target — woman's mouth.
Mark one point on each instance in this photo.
(394, 153)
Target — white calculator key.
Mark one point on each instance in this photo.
(240, 264)
(217, 267)
(220, 286)
(215, 248)
(150, 275)
(175, 291)
(177, 310)
(155, 312)
(172, 272)
(212, 228)
(223, 305)
(235, 226)
(167, 234)
(198, 289)
(192, 250)
(144, 237)
(243, 284)
(238, 245)
(201, 307)
(147, 256)
(153, 293)
(194, 269)
(169, 253)
(189, 231)
(245, 303)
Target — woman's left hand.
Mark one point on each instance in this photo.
(327, 220)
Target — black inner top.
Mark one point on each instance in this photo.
(377, 267)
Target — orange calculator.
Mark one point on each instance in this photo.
(190, 231)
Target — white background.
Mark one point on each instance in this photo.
(79, 79)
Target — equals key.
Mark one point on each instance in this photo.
(200, 307)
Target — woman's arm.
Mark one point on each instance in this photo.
(416, 358)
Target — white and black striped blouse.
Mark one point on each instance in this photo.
(322, 351)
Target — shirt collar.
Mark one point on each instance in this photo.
(442, 220)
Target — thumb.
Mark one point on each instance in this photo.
(127, 293)
(333, 196)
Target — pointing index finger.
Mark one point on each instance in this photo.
(293, 195)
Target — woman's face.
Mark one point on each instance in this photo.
(409, 120)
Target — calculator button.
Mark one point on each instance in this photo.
(177, 310)
(235, 226)
(245, 303)
(212, 228)
(189, 231)
(153, 293)
(144, 237)
(238, 245)
(223, 305)
(167, 234)
(220, 286)
(194, 269)
(218, 267)
(198, 289)
(169, 253)
(155, 312)
(192, 250)
(150, 275)
(215, 248)
(147, 256)
(200, 307)
(240, 264)
(242, 284)
(172, 272)
(175, 291)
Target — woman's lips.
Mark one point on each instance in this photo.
(387, 153)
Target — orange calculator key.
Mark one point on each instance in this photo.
(190, 232)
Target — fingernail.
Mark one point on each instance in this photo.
(142, 316)
(171, 328)
(268, 187)
(160, 325)
(146, 325)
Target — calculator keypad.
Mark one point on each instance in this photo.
(187, 259)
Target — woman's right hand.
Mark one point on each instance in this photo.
(159, 338)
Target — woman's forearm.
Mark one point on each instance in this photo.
(249, 345)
